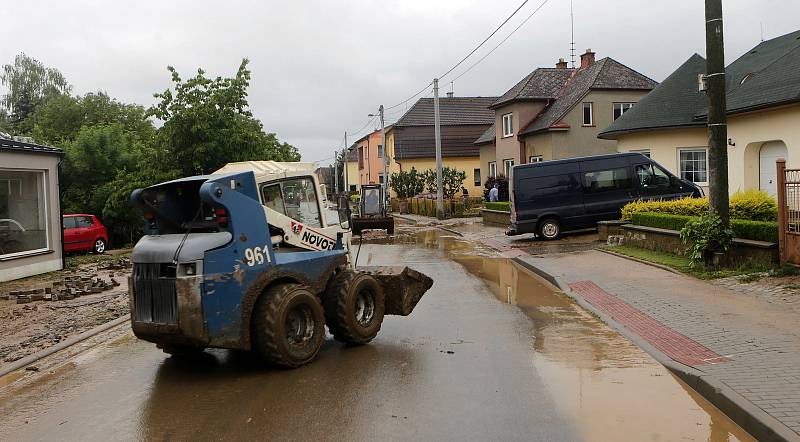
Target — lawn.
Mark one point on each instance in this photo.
(681, 263)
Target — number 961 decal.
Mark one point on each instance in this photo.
(256, 255)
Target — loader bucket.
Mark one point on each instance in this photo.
(403, 287)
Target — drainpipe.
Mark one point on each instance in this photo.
(60, 211)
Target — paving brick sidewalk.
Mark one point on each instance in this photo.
(750, 345)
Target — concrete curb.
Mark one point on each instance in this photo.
(449, 230)
(30, 359)
(747, 415)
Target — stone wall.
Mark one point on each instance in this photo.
(496, 217)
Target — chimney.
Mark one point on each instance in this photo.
(587, 59)
(449, 95)
(561, 64)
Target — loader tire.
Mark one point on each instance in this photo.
(354, 307)
(288, 325)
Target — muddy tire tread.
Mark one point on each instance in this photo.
(267, 314)
(335, 303)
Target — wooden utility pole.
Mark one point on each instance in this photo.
(717, 120)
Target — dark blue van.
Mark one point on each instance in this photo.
(552, 197)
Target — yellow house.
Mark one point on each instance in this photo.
(462, 120)
(763, 106)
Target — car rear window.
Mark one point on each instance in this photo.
(84, 221)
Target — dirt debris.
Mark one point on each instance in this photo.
(39, 313)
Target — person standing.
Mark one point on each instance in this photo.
(493, 192)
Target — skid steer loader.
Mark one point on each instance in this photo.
(248, 258)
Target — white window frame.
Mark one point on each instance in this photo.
(692, 149)
(493, 169)
(42, 189)
(590, 105)
(535, 159)
(508, 124)
(623, 107)
(508, 164)
(380, 151)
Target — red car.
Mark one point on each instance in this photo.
(84, 232)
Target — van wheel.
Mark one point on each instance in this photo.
(289, 325)
(549, 229)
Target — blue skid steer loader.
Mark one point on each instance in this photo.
(247, 258)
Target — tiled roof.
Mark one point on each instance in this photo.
(767, 75)
(487, 137)
(541, 84)
(606, 73)
(6, 144)
(673, 103)
(453, 111)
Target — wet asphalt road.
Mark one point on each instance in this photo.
(466, 365)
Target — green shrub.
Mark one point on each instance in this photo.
(753, 205)
(755, 230)
(503, 206)
(705, 236)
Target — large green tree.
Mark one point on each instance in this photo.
(28, 83)
(208, 123)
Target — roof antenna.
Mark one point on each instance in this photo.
(451, 88)
(762, 31)
(572, 36)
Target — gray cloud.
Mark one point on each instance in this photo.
(319, 67)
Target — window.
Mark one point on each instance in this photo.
(535, 159)
(507, 166)
(353, 188)
(380, 151)
(380, 178)
(508, 125)
(23, 213)
(492, 169)
(605, 180)
(83, 222)
(476, 174)
(645, 152)
(588, 114)
(693, 164)
(69, 222)
(295, 198)
(652, 177)
(621, 108)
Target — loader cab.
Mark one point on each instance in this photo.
(296, 197)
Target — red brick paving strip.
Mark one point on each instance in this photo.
(672, 343)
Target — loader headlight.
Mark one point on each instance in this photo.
(189, 269)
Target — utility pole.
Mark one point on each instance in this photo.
(344, 169)
(437, 133)
(717, 120)
(385, 157)
(335, 172)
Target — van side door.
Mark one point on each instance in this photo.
(548, 190)
(607, 186)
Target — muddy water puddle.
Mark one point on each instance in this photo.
(610, 388)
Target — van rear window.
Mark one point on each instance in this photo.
(605, 180)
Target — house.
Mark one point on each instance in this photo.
(556, 113)
(325, 176)
(462, 121)
(370, 155)
(763, 108)
(30, 209)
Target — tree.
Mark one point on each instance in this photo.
(407, 184)
(452, 180)
(207, 123)
(29, 84)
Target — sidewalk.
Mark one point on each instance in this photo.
(739, 351)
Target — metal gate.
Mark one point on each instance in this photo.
(788, 213)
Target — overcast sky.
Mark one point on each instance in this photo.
(319, 67)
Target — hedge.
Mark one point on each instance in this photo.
(753, 205)
(755, 230)
(503, 206)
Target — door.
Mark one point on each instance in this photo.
(767, 177)
(654, 182)
(84, 232)
(70, 234)
(606, 190)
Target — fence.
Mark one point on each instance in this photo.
(453, 208)
(788, 213)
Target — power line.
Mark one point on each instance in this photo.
(409, 98)
(502, 41)
(484, 40)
